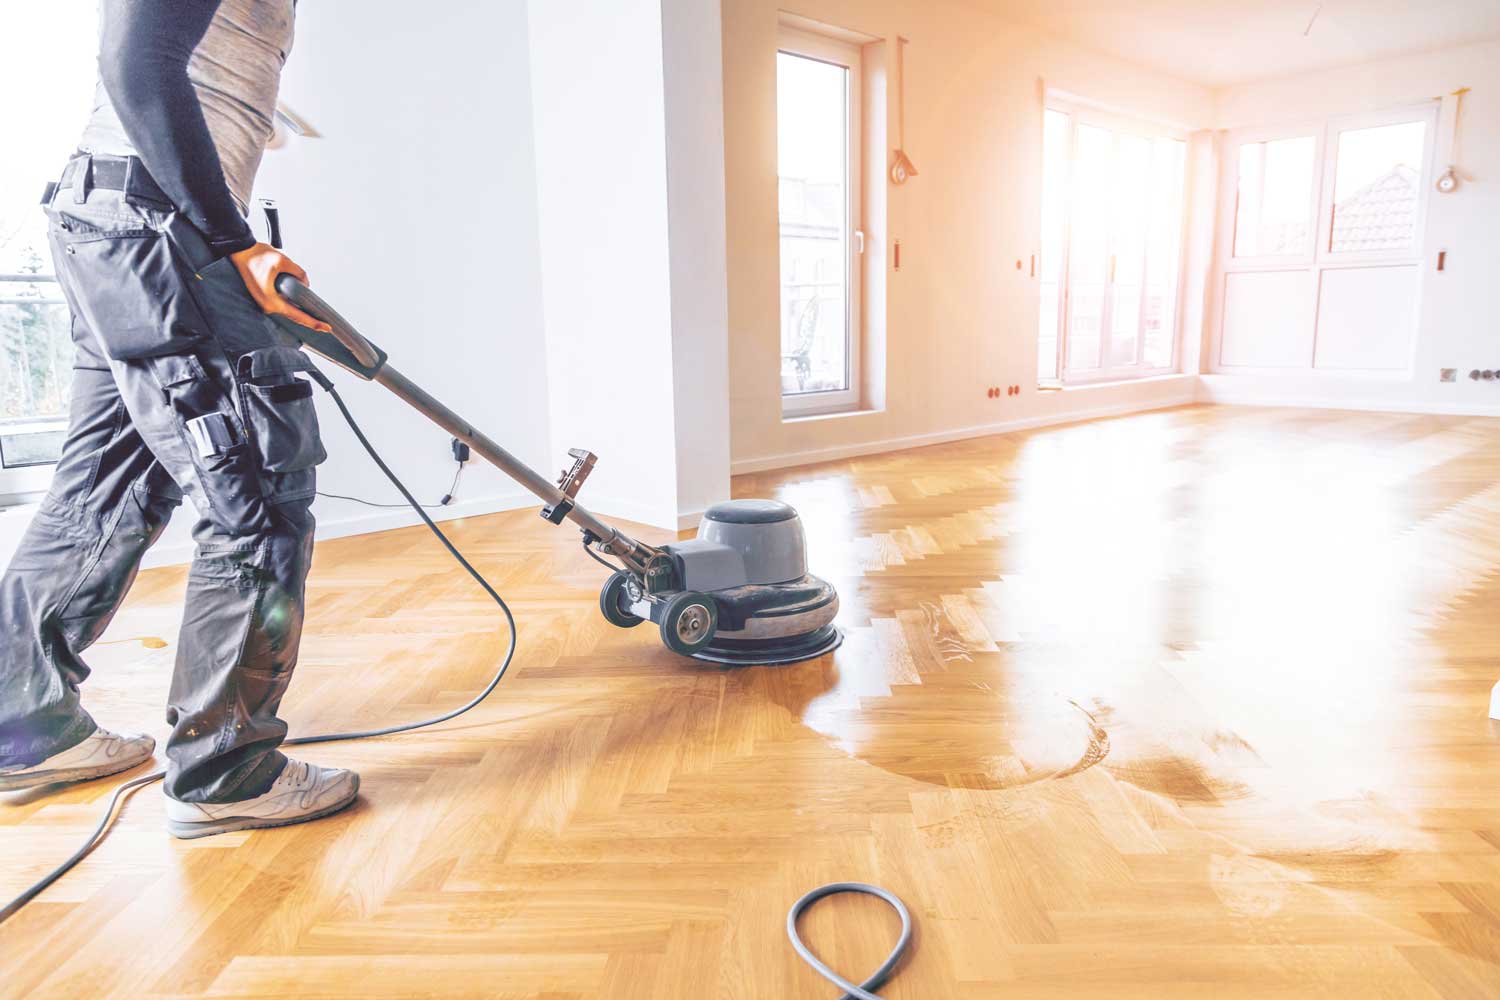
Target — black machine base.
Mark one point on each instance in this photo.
(772, 652)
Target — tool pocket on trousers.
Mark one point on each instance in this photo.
(222, 456)
(279, 409)
(129, 286)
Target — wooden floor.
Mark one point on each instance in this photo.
(1182, 704)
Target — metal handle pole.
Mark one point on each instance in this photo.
(349, 349)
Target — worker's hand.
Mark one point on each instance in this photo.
(258, 266)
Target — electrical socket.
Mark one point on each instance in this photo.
(1448, 375)
(460, 450)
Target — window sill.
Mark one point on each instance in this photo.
(1112, 383)
(807, 418)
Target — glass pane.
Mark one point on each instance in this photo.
(1163, 251)
(812, 133)
(36, 367)
(1273, 216)
(47, 72)
(1055, 138)
(1128, 248)
(1088, 251)
(1376, 187)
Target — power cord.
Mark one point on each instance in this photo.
(880, 975)
(100, 831)
(447, 498)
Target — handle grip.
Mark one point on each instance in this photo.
(346, 347)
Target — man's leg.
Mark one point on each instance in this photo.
(234, 424)
(108, 502)
(231, 420)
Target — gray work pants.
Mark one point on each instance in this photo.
(182, 385)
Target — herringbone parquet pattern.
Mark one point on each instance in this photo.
(1183, 704)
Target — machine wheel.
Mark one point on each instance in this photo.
(688, 622)
(610, 599)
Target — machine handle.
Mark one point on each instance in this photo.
(346, 347)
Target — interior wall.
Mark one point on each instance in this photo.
(631, 189)
(960, 315)
(1458, 307)
(417, 218)
(693, 87)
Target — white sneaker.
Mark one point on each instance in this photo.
(101, 753)
(300, 793)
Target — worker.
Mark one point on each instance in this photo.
(183, 384)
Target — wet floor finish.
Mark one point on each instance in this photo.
(1183, 704)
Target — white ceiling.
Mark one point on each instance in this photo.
(1223, 42)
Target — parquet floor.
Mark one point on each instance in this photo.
(1183, 704)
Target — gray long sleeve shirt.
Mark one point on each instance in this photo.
(190, 86)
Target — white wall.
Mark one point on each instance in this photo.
(960, 317)
(415, 215)
(1457, 319)
(631, 194)
(693, 75)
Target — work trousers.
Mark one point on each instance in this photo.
(182, 385)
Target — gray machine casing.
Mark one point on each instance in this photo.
(744, 542)
(750, 556)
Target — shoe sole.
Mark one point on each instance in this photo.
(184, 830)
(69, 775)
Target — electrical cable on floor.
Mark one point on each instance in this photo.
(445, 501)
(94, 839)
(880, 975)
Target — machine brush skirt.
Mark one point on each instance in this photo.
(773, 624)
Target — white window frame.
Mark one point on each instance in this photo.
(1319, 258)
(838, 52)
(26, 483)
(1083, 114)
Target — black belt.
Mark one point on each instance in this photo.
(115, 173)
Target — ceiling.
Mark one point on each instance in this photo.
(1224, 42)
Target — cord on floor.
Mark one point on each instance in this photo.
(97, 836)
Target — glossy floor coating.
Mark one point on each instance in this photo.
(1183, 704)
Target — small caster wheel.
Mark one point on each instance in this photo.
(612, 601)
(688, 622)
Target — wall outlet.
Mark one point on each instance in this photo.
(1448, 375)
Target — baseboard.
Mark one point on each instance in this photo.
(1219, 389)
(179, 552)
(787, 460)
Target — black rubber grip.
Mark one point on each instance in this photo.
(345, 347)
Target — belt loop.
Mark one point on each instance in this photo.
(81, 179)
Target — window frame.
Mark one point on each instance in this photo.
(1319, 258)
(1081, 114)
(800, 42)
(1231, 203)
(20, 484)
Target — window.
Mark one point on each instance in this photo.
(1112, 217)
(1324, 272)
(1273, 216)
(47, 68)
(817, 135)
(1376, 188)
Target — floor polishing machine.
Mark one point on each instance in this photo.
(738, 593)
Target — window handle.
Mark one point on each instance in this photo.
(859, 241)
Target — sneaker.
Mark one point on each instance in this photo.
(101, 753)
(300, 793)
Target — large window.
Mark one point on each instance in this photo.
(1112, 217)
(817, 132)
(1323, 244)
(46, 76)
